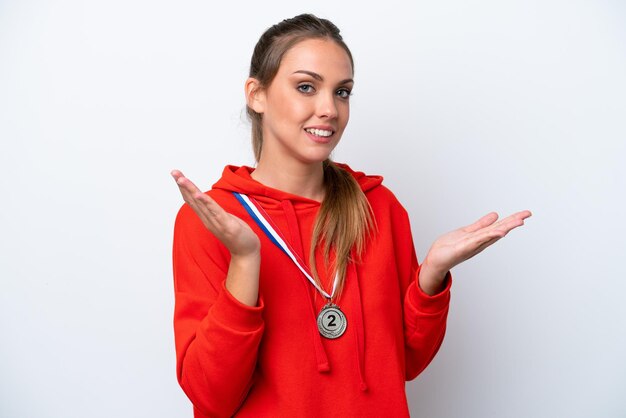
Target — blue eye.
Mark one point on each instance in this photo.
(344, 93)
(305, 88)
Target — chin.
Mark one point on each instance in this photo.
(315, 158)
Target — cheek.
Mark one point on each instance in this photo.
(345, 112)
(295, 110)
(287, 107)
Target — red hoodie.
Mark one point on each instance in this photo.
(270, 360)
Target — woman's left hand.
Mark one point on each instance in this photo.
(459, 245)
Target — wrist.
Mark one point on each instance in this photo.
(246, 260)
(431, 278)
(242, 280)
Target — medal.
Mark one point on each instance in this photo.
(331, 321)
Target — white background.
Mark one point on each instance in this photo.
(464, 106)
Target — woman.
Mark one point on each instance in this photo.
(298, 292)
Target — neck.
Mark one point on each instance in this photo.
(306, 180)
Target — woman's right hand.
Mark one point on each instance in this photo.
(234, 233)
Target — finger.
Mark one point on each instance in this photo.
(209, 206)
(477, 239)
(513, 221)
(507, 227)
(484, 238)
(176, 174)
(194, 197)
(477, 242)
(483, 222)
(181, 181)
(218, 219)
(484, 245)
(524, 214)
(187, 188)
(186, 184)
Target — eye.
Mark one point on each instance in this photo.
(305, 88)
(344, 93)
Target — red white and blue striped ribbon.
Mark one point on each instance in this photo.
(264, 222)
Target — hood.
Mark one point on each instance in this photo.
(238, 179)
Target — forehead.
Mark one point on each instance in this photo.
(324, 57)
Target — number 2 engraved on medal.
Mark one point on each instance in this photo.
(331, 322)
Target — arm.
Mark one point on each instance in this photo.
(425, 315)
(218, 320)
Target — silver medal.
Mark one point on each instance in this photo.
(331, 322)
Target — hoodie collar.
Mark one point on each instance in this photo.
(238, 179)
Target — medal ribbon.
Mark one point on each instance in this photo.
(273, 233)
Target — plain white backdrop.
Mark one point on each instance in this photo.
(464, 107)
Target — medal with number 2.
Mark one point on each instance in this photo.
(331, 321)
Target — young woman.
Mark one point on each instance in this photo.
(298, 292)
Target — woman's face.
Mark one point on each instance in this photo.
(306, 107)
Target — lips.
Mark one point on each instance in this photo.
(320, 136)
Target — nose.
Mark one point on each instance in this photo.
(326, 106)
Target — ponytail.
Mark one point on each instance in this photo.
(343, 225)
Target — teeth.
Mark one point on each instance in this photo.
(319, 132)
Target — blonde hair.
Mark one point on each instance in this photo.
(344, 221)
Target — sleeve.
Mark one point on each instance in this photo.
(217, 337)
(424, 325)
(424, 315)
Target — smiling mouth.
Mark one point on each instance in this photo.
(319, 132)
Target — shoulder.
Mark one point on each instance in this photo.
(378, 194)
(384, 203)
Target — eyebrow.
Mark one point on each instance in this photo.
(319, 77)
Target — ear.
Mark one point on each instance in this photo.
(255, 95)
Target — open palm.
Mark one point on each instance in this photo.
(234, 233)
(461, 244)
